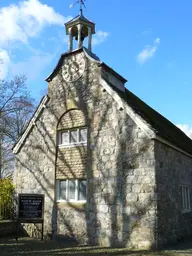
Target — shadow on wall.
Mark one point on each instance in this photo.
(120, 207)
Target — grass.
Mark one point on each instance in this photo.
(31, 247)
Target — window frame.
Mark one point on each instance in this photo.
(69, 143)
(185, 198)
(77, 182)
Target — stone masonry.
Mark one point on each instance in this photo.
(125, 170)
(71, 162)
(173, 169)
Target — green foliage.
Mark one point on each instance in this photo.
(6, 199)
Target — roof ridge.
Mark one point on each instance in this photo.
(162, 126)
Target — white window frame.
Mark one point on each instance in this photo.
(69, 143)
(58, 182)
(185, 198)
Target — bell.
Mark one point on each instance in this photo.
(82, 38)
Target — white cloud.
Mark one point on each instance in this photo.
(33, 66)
(19, 23)
(157, 41)
(4, 63)
(148, 52)
(100, 37)
(186, 129)
(27, 19)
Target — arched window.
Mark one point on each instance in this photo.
(73, 136)
(72, 133)
(72, 129)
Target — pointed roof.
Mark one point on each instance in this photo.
(40, 108)
(162, 128)
(79, 17)
(90, 55)
(159, 124)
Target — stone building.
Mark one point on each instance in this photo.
(114, 171)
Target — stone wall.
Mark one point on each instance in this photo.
(35, 165)
(71, 161)
(121, 197)
(71, 221)
(120, 167)
(173, 169)
(72, 118)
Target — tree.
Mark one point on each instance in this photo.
(6, 199)
(16, 108)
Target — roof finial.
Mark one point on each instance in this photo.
(81, 2)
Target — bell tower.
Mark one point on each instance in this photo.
(80, 28)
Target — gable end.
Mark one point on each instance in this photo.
(35, 116)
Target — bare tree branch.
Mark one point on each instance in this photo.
(16, 108)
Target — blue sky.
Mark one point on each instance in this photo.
(148, 42)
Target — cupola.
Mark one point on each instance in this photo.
(80, 28)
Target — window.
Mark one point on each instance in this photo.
(185, 198)
(73, 137)
(71, 190)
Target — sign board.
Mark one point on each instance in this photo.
(30, 209)
(31, 206)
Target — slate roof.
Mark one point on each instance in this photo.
(158, 123)
(79, 17)
(90, 54)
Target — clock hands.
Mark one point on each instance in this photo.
(73, 69)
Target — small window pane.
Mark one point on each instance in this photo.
(82, 189)
(189, 199)
(71, 189)
(64, 138)
(182, 196)
(83, 135)
(185, 198)
(73, 136)
(62, 190)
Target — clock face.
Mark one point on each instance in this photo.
(73, 68)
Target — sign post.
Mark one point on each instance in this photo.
(30, 210)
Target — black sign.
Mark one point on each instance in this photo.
(31, 206)
(31, 210)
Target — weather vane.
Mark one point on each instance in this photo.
(81, 2)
